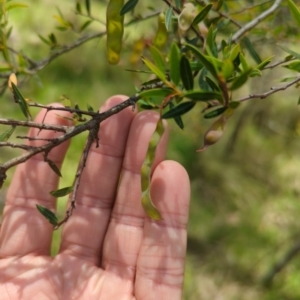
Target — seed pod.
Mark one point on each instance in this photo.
(214, 133)
(114, 30)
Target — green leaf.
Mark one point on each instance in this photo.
(154, 69)
(234, 52)
(129, 5)
(15, 5)
(85, 25)
(54, 167)
(174, 64)
(215, 113)
(177, 119)
(158, 58)
(251, 50)
(179, 110)
(264, 63)
(62, 192)
(78, 8)
(21, 101)
(48, 214)
(89, 108)
(202, 14)
(294, 12)
(210, 41)
(295, 54)
(203, 96)
(7, 134)
(46, 41)
(204, 60)
(186, 74)
(159, 92)
(255, 73)
(212, 84)
(168, 18)
(243, 61)
(294, 66)
(227, 68)
(88, 6)
(240, 80)
(234, 104)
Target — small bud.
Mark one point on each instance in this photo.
(214, 133)
(12, 79)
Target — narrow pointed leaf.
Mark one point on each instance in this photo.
(168, 18)
(186, 74)
(154, 69)
(179, 110)
(7, 134)
(251, 50)
(240, 80)
(163, 92)
(129, 5)
(62, 192)
(21, 101)
(174, 64)
(202, 14)
(158, 58)
(203, 96)
(295, 54)
(177, 119)
(264, 63)
(88, 6)
(48, 214)
(215, 113)
(54, 167)
(295, 12)
(89, 108)
(204, 60)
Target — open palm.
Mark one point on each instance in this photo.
(109, 249)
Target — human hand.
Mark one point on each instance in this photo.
(110, 249)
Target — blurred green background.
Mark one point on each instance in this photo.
(245, 207)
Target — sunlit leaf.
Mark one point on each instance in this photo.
(12, 79)
(234, 52)
(264, 63)
(48, 214)
(158, 92)
(114, 30)
(295, 12)
(158, 58)
(202, 14)
(186, 74)
(7, 134)
(161, 36)
(54, 167)
(179, 110)
(129, 5)
(203, 95)
(154, 69)
(15, 5)
(215, 113)
(62, 192)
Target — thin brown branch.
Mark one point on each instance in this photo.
(272, 91)
(253, 23)
(14, 145)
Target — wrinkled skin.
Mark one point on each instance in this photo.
(109, 249)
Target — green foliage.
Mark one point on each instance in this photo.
(206, 65)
